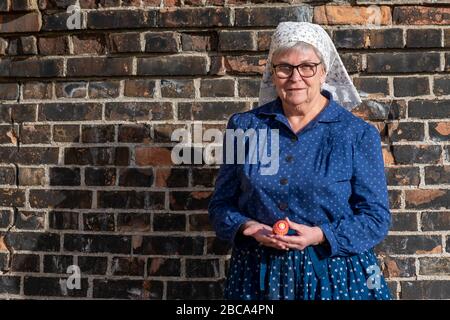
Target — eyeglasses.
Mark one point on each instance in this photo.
(306, 70)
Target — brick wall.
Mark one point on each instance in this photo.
(86, 117)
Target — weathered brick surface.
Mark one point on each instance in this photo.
(86, 118)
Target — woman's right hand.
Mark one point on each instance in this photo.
(263, 234)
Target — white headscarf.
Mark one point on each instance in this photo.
(337, 79)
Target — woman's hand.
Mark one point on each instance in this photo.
(306, 236)
(263, 234)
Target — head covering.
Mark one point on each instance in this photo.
(337, 81)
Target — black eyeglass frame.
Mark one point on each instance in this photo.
(315, 64)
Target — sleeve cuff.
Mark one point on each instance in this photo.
(329, 248)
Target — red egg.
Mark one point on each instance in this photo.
(281, 227)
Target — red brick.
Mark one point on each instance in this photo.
(418, 15)
(28, 22)
(352, 15)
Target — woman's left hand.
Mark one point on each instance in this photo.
(306, 236)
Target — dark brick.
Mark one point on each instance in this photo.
(130, 266)
(172, 65)
(169, 222)
(409, 154)
(93, 265)
(419, 15)
(9, 91)
(163, 267)
(71, 89)
(406, 131)
(37, 90)
(427, 199)
(216, 246)
(185, 200)
(132, 111)
(32, 67)
(98, 221)
(435, 221)
(94, 44)
(97, 133)
(404, 221)
(136, 177)
(63, 220)
(61, 176)
(139, 133)
(162, 133)
(89, 243)
(395, 200)
(7, 175)
(70, 111)
(29, 220)
(270, 16)
(202, 268)
(99, 66)
(143, 88)
(125, 42)
(57, 263)
(248, 87)
(161, 42)
(8, 134)
(128, 289)
(209, 110)
(199, 222)
(170, 245)
(352, 62)
(131, 199)
(100, 176)
(372, 85)
(430, 289)
(171, 177)
(104, 89)
(5, 218)
(217, 88)
(411, 244)
(403, 62)
(97, 156)
(195, 17)
(53, 45)
(402, 176)
(199, 41)
(439, 131)
(61, 199)
(12, 197)
(33, 241)
(204, 177)
(386, 38)
(66, 133)
(411, 86)
(437, 174)
(194, 290)
(425, 109)
(25, 263)
(121, 19)
(33, 134)
(57, 21)
(177, 88)
(133, 221)
(41, 286)
(237, 41)
(9, 284)
(349, 38)
(394, 267)
(423, 38)
(441, 85)
(434, 266)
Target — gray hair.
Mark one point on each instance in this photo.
(300, 46)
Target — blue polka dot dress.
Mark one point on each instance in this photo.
(331, 175)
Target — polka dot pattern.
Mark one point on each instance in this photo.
(330, 175)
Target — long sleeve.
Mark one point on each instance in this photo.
(369, 201)
(223, 206)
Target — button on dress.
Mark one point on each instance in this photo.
(330, 174)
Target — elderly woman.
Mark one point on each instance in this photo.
(330, 185)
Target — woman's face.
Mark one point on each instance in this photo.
(296, 90)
